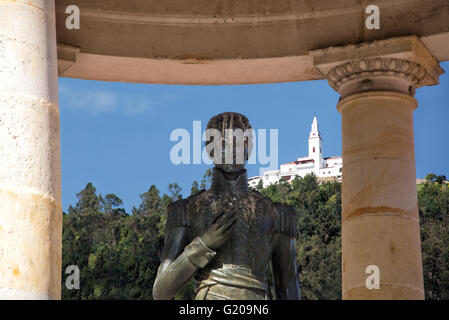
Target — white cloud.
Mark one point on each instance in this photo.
(100, 102)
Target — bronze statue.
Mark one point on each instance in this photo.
(229, 237)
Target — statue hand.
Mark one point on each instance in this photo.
(219, 231)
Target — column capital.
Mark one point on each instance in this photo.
(397, 64)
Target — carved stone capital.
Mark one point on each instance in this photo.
(398, 64)
(377, 74)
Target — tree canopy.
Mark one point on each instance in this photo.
(118, 253)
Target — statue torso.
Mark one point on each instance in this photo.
(244, 260)
(250, 245)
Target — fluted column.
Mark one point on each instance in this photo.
(30, 183)
(380, 222)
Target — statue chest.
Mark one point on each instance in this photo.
(251, 242)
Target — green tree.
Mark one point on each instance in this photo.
(431, 177)
(319, 241)
(151, 202)
(88, 201)
(118, 254)
(194, 189)
(207, 179)
(175, 191)
(111, 204)
(441, 179)
(433, 201)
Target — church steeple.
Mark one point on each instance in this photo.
(314, 131)
(315, 151)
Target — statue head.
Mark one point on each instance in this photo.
(229, 141)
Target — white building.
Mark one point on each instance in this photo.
(324, 168)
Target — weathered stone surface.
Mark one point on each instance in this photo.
(400, 64)
(378, 152)
(25, 52)
(390, 292)
(380, 223)
(30, 145)
(30, 251)
(231, 41)
(30, 168)
(388, 241)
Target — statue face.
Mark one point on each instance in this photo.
(231, 151)
(230, 167)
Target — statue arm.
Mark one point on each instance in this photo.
(284, 255)
(182, 258)
(180, 261)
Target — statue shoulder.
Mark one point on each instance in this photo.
(256, 194)
(178, 211)
(196, 195)
(263, 201)
(284, 215)
(177, 214)
(286, 219)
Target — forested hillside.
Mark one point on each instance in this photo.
(117, 252)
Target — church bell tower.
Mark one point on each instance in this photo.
(315, 151)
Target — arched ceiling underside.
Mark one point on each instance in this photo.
(230, 41)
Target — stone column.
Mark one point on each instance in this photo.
(30, 179)
(380, 221)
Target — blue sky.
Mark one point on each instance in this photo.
(117, 135)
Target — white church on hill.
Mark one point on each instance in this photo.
(323, 168)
